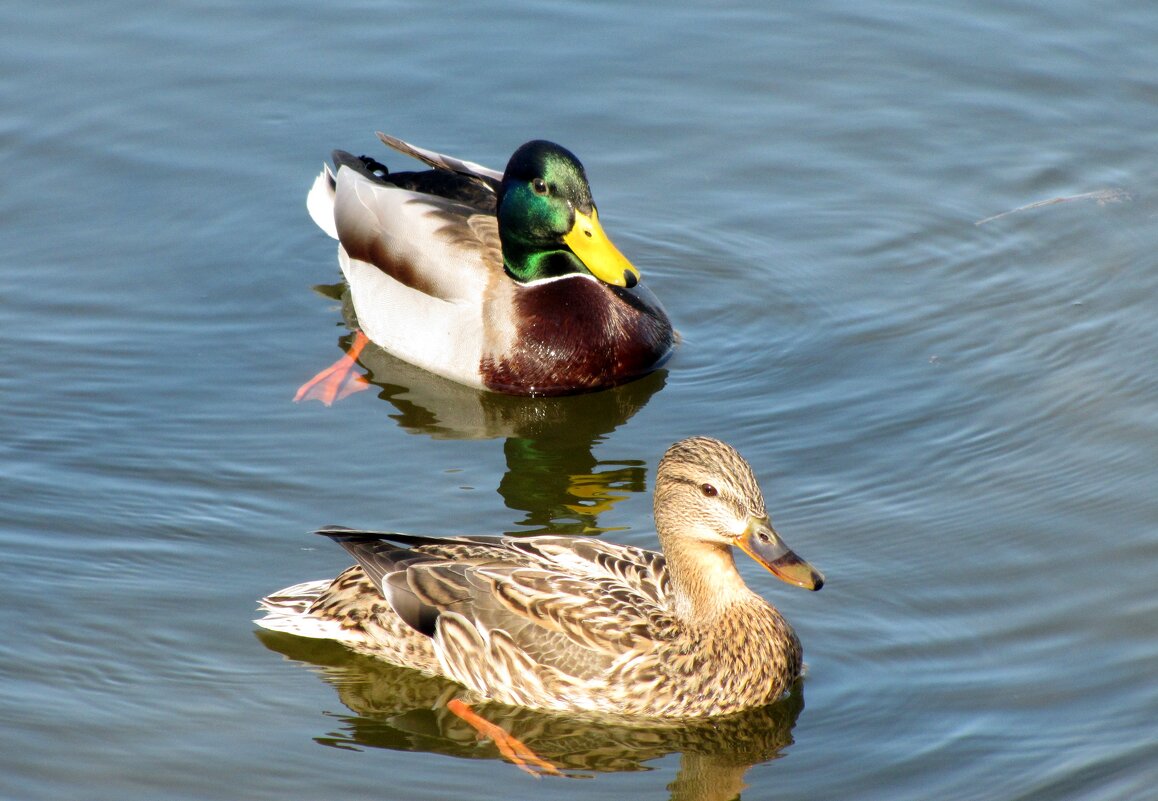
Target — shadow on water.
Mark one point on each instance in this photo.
(404, 710)
(552, 475)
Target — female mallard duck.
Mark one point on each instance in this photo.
(504, 282)
(575, 624)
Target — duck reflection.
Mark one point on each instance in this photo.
(404, 710)
(553, 479)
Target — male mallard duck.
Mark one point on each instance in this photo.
(501, 281)
(575, 624)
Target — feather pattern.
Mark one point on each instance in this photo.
(575, 624)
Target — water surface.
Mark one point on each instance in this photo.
(955, 421)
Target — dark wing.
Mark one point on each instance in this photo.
(484, 176)
(439, 183)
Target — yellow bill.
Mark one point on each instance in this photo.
(587, 241)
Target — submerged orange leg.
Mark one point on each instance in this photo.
(338, 380)
(509, 746)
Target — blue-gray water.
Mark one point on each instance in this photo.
(957, 423)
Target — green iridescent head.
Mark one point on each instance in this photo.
(548, 223)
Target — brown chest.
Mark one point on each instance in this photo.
(576, 335)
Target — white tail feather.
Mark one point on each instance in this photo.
(320, 202)
(287, 611)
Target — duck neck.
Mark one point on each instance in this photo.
(525, 264)
(705, 582)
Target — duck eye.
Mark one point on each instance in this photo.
(709, 491)
(540, 186)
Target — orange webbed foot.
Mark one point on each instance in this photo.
(514, 749)
(338, 380)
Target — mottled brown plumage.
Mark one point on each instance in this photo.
(576, 624)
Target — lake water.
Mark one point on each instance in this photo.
(957, 422)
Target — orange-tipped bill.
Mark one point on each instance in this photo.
(761, 542)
